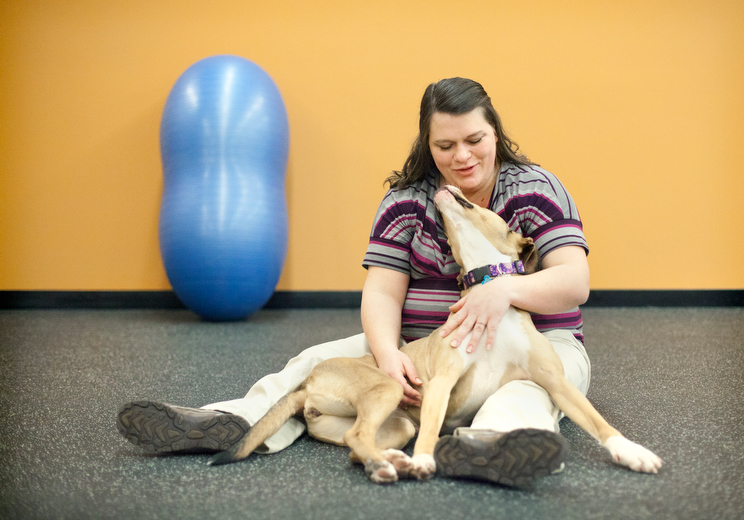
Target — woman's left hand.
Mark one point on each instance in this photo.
(479, 311)
(561, 284)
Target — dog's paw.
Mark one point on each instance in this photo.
(631, 455)
(402, 463)
(380, 471)
(424, 466)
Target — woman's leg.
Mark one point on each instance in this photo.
(269, 389)
(514, 438)
(164, 428)
(524, 404)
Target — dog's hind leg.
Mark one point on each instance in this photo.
(373, 407)
(546, 369)
(328, 428)
(349, 399)
(396, 431)
(392, 436)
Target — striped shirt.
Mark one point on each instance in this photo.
(408, 236)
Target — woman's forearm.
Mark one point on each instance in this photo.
(382, 305)
(562, 284)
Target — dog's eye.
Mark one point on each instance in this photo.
(463, 202)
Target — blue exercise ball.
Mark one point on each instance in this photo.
(224, 142)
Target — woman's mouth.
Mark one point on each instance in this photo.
(466, 171)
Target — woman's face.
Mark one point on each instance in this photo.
(464, 150)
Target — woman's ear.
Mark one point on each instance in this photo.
(528, 255)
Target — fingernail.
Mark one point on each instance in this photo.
(418, 380)
(454, 343)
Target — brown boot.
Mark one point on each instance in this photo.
(164, 428)
(515, 458)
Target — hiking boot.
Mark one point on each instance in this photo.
(164, 428)
(515, 458)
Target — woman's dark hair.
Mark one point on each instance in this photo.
(453, 96)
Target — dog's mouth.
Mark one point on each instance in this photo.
(462, 201)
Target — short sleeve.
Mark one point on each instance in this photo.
(392, 232)
(536, 204)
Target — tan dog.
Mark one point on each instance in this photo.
(349, 401)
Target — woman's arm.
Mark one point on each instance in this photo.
(382, 305)
(561, 285)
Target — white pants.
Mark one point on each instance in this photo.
(519, 404)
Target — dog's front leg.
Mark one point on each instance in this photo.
(433, 410)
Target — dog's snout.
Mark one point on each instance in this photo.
(446, 192)
(442, 193)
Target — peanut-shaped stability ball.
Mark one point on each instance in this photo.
(224, 141)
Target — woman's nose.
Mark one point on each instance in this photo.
(462, 154)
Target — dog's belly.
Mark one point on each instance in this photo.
(509, 356)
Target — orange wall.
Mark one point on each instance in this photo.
(637, 106)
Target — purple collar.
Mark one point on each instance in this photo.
(487, 272)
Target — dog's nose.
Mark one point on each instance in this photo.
(443, 194)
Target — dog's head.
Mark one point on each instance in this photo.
(451, 203)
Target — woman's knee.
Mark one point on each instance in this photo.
(576, 365)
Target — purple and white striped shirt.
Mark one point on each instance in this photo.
(408, 236)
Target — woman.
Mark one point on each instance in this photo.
(411, 284)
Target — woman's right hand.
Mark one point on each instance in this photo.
(399, 366)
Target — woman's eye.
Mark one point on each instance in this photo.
(445, 147)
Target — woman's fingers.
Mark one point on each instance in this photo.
(475, 314)
(455, 318)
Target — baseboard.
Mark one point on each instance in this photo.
(666, 298)
(165, 300)
(315, 300)
(341, 299)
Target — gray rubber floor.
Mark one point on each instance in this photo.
(671, 379)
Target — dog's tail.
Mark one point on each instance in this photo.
(269, 424)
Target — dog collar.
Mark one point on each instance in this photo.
(487, 272)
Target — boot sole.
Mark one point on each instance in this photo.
(515, 459)
(163, 428)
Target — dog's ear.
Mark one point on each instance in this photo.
(528, 255)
